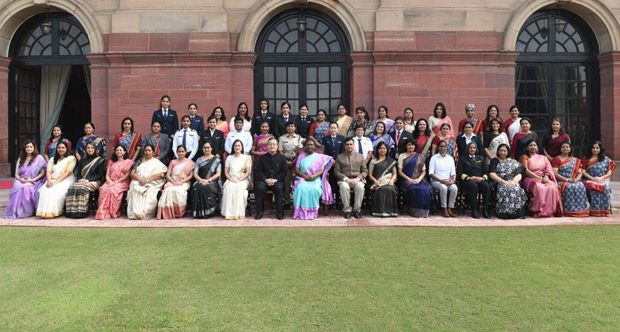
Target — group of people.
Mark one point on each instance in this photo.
(209, 169)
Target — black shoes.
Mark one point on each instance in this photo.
(474, 214)
(486, 214)
(280, 216)
(287, 206)
(347, 215)
(357, 215)
(259, 215)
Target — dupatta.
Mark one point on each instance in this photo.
(311, 165)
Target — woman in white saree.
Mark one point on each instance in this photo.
(173, 201)
(59, 178)
(147, 179)
(237, 171)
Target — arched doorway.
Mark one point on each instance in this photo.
(49, 79)
(302, 60)
(557, 75)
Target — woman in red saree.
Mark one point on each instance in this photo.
(129, 139)
(423, 137)
(117, 182)
(554, 139)
(539, 182)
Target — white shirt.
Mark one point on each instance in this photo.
(191, 142)
(366, 145)
(442, 167)
(468, 139)
(244, 136)
(247, 125)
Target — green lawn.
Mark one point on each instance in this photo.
(338, 279)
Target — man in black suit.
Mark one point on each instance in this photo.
(472, 174)
(197, 122)
(214, 136)
(263, 116)
(280, 121)
(270, 173)
(400, 136)
(303, 122)
(166, 117)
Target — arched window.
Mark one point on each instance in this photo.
(301, 59)
(557, 75)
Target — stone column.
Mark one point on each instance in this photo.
(242, 65)
(609, 64)
(100, 112)
(362, 81)
(5, 163)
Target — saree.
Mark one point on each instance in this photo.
(142, 199)
(552, 145)
(410, 127)
(131, 142)
(223, 126)
(451, 147)
(24, 197)
(419, 195)
(50, 147)
(99, 142)
(477, 128)
(384, 196)
(512, 128)
(510, 200)
(545, 198)
(235, 195)
(599, 194)
(77, 201)
(173, 201)
(492, 142)
(320, 131)
(343, 125)
(389, 124)
(424, 144)
(367, 124)
(519, 143)
(52, 200)
(306, 194)
(436, 123)
(205, 197)
(111, 196)
(387, 139)
(574, 196)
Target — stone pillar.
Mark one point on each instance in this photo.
(609, 64)
(242, 65)
(362, 81)
(100, 112)
(5, 163)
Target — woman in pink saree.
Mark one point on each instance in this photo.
(312, 184)
(260, 146)
(540, 183)
(439, 117)
(117, 182)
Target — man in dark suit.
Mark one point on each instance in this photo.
(400, 136)
(197, 122)
(303, 122)
(215, 137)
(280, 121)
(270, 173)
(166, 117)
(473, 178)
(261, 117)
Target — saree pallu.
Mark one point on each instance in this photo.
(50, 147)
(420, 195)
(389, 124)
(205, 197)
(599, 194)
(24, 197)
(142, 199)
(476, 129)
(424, 144)
(76, 203)
(512, 128)
(110, 197)
(235, 195)
(552, 145)
(574, 196)
(320, 131)
(343, 125)
(52, 200)
(436, 123)
(387, 139)
(495, 142)
(307, 194)
(260, 146)
(510, 200)
(451, 147)
(545, 198)
(173, 201)
(518, 145)
(384, 197)
(131, 142)
(223, 126)
(99, 142)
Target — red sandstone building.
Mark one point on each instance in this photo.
(71, 61)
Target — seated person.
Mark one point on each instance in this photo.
(311, 184)
(443, 176)
(382, 174)
(472, 173)
(351, 172)
(270, 174)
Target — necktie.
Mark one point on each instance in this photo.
(303, 119)
(184, 137)
(333, 141)
(285, 119)
(397, 137)
(359, 145)
(165, 113)
(263, 115)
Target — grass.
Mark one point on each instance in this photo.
(342, 279)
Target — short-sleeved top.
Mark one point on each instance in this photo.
(289, 145)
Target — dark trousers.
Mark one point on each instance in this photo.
(472, 188)
(259, 194)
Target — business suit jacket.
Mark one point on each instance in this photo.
(257, 121)
(405, 137)
(198, 124)
(217, 141)
(271, 167)
(471, 167)
(279, 124)
(350, 166)
(462, 145)
(331, 149)
(164, 145)
(303, 127)
(170, 124)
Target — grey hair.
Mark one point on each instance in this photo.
(468, 106)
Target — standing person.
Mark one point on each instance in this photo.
(439, 117)
(89, 136)
(281, 120)
(147, 179)
(409, 120)
(506, 173)
(380, 135)
(470, 112)
(513, 125)
(197, 122)
(472, 173)
(363, 145)
(361, 118)
(400, 136)
(173, 201)
(131, 140)
(521, 139)
(235, 193)
(289, 145)
(540, 183)
(382, 174)
(446, 136)
(468, 136)
(215, 136)
(494, 138)
(319, 129)
(412, 170)
(311, 184)
(423, 137)
(59, 177)
(351, 172)
(262, 116)
(333, 145)
(159, 141)
(382, 112)
(492, 113)
(29, 177)
(443, 178)
(598, 170)
(220, 118)
(238, 134)
(270, 174)
(243, 114)
(260, 148)
(116, 183)
(89, 173)
(554, 139)
(50, 146)
(187, 137)
(568, 171)
(303, 122)
(207, 188)
(166, 117)
(344, 120)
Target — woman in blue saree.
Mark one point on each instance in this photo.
(89, 136)
(312, 183)
(412, 170)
